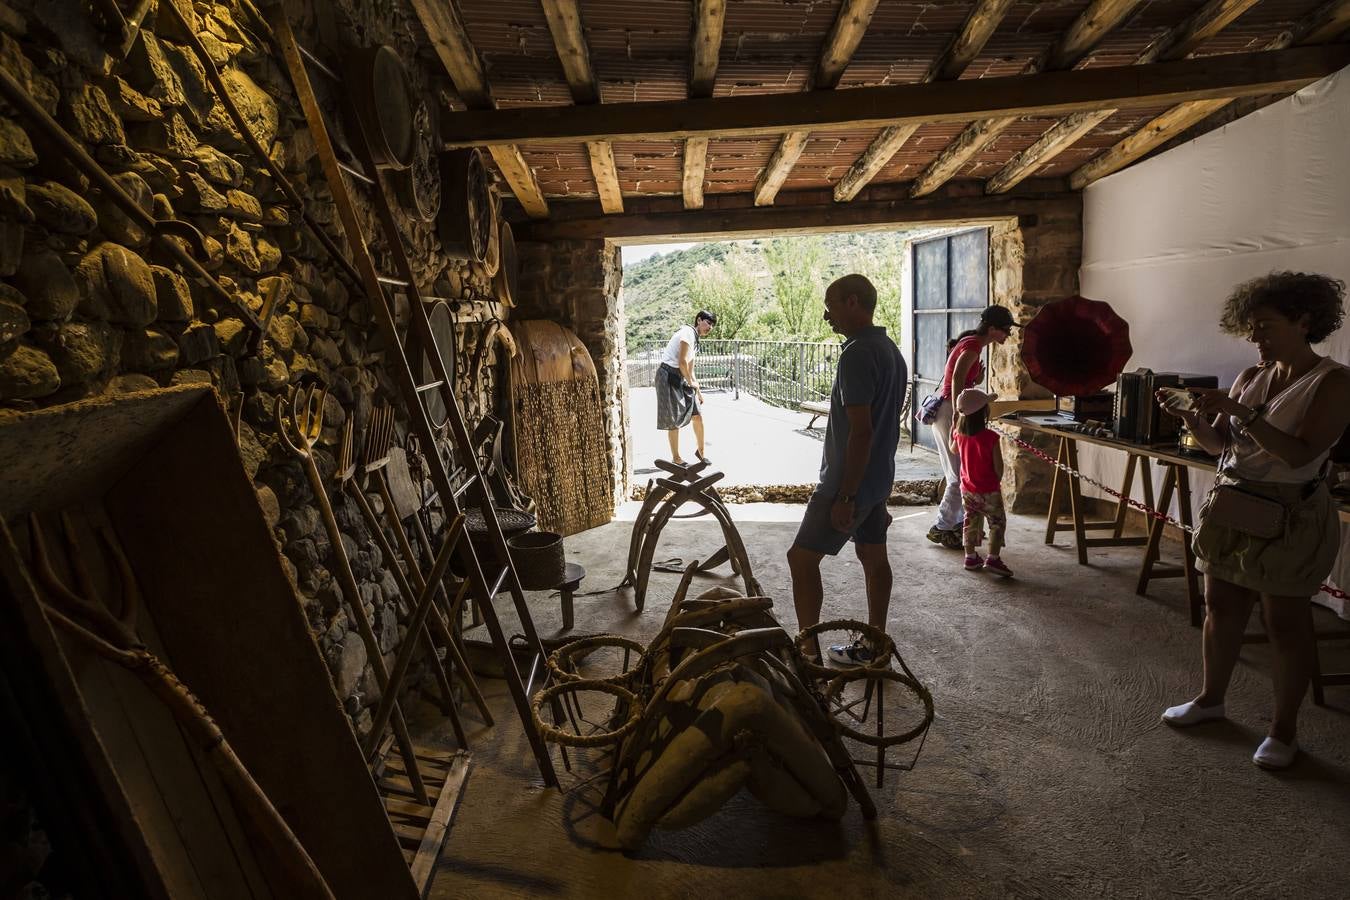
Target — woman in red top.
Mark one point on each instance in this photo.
(981, 475)
(964, 369)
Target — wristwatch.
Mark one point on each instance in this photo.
(1252, 416)
(844, 498)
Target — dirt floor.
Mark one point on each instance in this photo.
(1046, 772)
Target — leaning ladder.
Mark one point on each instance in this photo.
(375, 285)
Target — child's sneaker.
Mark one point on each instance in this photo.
(995, 565)
(973, 562)
(857, 653)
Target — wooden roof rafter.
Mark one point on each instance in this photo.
(705, 48)
(445, 29)
(1048, 94)
(965, 46)
(569, 37)
(1176, 43)
(847, 32)
(1095, 23)
(1324, 25)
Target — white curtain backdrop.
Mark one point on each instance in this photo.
(1165, 241)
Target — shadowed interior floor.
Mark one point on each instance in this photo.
(1046, 773)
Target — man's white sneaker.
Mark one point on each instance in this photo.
(857, 653)
(1192, 714)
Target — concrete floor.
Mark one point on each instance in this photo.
(1046, 773)
(753, 443)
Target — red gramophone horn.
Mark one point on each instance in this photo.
(1076, 346)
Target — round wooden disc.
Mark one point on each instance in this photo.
(443, 329)
(506, 283)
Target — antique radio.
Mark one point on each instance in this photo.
(1129, 389)
(1137, 415)
(1082, 408)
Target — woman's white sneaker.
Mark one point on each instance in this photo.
(1192, 714)
(1273, 754)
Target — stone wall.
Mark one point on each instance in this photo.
(87, 306)
(578, 284)
(1033, 262)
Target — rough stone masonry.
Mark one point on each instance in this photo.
(87, 308)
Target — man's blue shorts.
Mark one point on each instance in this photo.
(816, 533)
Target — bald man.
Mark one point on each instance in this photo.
(857, 467)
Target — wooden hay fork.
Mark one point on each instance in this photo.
(299, 429)
(89, 620)
(412, 584)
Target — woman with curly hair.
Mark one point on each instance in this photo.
(1273, 431)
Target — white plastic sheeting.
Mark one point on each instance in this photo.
(1165, 241)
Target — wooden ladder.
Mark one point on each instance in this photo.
(472, 490)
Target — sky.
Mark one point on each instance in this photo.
(639, 252)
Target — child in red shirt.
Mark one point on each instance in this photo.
(981, 474)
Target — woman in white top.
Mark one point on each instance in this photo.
(678, 395)
(1273, 432)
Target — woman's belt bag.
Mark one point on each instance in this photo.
(1246, 512)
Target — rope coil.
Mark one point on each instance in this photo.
(599, 738)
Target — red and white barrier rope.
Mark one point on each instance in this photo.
(1147, 510)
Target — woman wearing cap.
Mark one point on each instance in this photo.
(678, 395)
(964, 369)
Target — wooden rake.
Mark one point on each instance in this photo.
(299, 429)
(90, 621)
(379, 441)
(346, 468)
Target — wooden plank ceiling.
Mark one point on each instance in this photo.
(521, 54)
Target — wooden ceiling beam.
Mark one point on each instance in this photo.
(847, 32)
(1093, 24)
(705, 48)
(653, 219)
(569, 38)
(1176, 43)
(1325, 24)
(1047, 94)
(450, 39)
(979, 26)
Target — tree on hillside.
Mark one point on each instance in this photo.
(795, 266)
(884, 265)
(726, 289)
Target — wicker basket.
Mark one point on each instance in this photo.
(538, 557)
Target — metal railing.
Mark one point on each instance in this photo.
(782, 373)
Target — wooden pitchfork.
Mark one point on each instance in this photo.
(379, 441)
(346, 468)
(90, 621)
(299, 431)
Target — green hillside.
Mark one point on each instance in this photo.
(657, 290)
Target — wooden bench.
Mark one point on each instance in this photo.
(816, 408)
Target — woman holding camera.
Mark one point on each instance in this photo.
(1269, 529)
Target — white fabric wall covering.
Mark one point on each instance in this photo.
(1165, 241)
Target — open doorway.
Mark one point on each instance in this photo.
(768, 366)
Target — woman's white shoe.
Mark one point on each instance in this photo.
(1192, 714)
(1273, 754)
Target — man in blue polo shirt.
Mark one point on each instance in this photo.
(857, 467)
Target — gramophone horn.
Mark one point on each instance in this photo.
(1076, 346)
